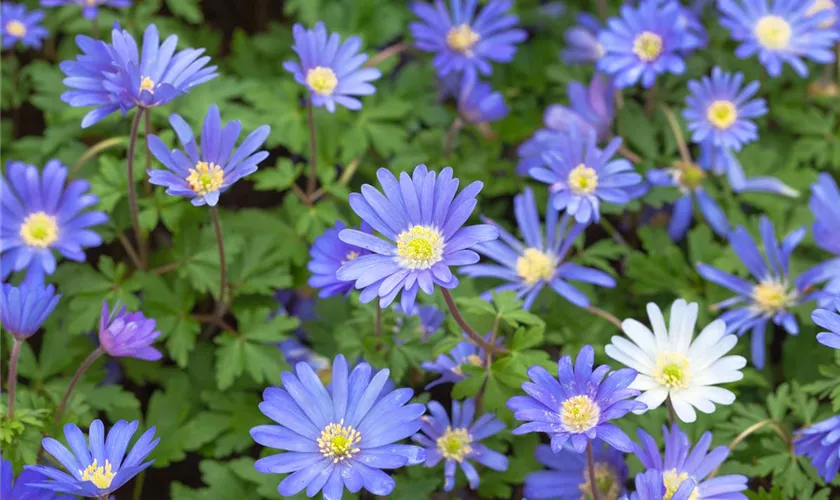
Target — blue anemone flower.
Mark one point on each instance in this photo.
(779, 31)
(528, 268)
(90, 8)
(821, 443)
(123, 334)
(650, 485)
(827, 318)
(40, 215)
(448, 366)
(328, 254)
(203, 175)
(478, 103)
(825, 206)
(97, 466)
(20, 488)
(421, 219)
(567, 477)
(582, 40)
(577, 405)
(23, 310)
(590, 108)
(771, 293)
(19, 25)
(463, 41)
(339, 436)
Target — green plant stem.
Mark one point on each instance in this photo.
(93, 356)
(313, 152)
(138, 486)
(593, 484)
(488, 362)
(471, 333)
(672, 415)
(386, 53)
(777, 428)
(677, 131)
(611, 229)
(132, 191)
(604, 314)
(13, 365)
(93, 151)
(449, 141)
(377, 327)
(221, 306)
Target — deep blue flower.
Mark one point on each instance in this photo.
(576, 407)
(827, 318)
(567, 476)
(825, 206)
(590, 108)
(769, 295)
(462, 41)
(779, 31)
(650, 485)
(203, 175)
(40, 215)
(23, 310)
(821, 443)
(528, 268)
(20, 25)
(682, 463)
(331, 70)
(124, 334)
(20, 489)
(582, 41)
(580, 175)
(643, 43)
(96, 469)
(421, 219)
(330, 253)
(479, 103)
(431, 318)
(448, 366)
(90, 8)
(337, 437)
(457, 441)
(723, 161)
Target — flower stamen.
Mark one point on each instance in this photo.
(771, 296)
(722, 114)
(98, 475)
(583, 180)
(580, 413)
(672, 480)
(773, 32)
(205, 178)
(534, 266)
(147, 84)
(338, 441)
(420, 247)
(321, 80)
(454, 444)
(647, 46)
(462, 38)
(16, 28)
(39, 230)
(672, 370)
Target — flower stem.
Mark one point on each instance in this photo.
(13, 364)
(132, 192)
(628, 153)
(95, 26)
(590, 458)
(611, 229)
(313, 152)
(488, 361)
(78, 375)
(672, 415)
(777, 428)
(675, 128)
(148, 130)
(386, 53)
(377, 327)
(604, 314)
(214, 215)
(93, 151)
(650, 100)
(474, 336)
(602, 9)
(448, 143)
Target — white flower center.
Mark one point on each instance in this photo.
(672, 370)
(771, 296)
(321, 80)
(579, 414)
(16, 28)
(39, 230)
(420, 247)
(534, 265)
(773, 32)
(647, 46)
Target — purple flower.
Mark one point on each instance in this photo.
(650, 485)
(567, 476)
(19, 25)
(479, 103)
(23, 310)
(90, 8)
(448, 366)
(590, 108)
(124, 334)
(531, 151)
(826, 318)
(20, 489)
(330, 253)
(582, 40)
(821, 443)
(825, 206)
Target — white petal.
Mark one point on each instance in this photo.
(686, 331)
(710, 336)
(717, 395)
(682, 408)
(641, 335)
(653, 398)
(722, 371)
(644, 383)
(697, 399)
(702, 360)
(633, 351)
(657, 321)
(625, 360)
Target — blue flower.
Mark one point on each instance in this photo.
(23, 310)
(830, 320)
(20, 489)
(590, 108)
(567, 476)
(331, 70)
(780, 32)
(431, 318)
(693, 35)
(723, 161)
(90, 8)
(203, 175)
(576, 406)
(650, 485)
(330, 253)
(531, 151)
(448, 366)
(528, 268)
(821, 443)
(720, 110)
(582, 40)
(457, 441)
(123, 334)
(19, 25)
(479, 103)
(825, 206)
(422, 220)
(644, 42)
(580, 175)
(101, 467)
(337, 437)
(463, 41)
(41, 215)
(770, 295)
(681, 463)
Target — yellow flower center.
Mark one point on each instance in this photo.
(820, 5)
(321, 80)
(462, 38)
(688, 175)
(420, 247)
(91, 2)
(100, 476)
(454, 444)
(773, 32)
(672, 480)
(338, 441)
(647, 46)
(672, 370)
(472, 359)
(722, 114)
(16, 28)
(771, 296)
(147, 84)
(606, 481)
(583, 180)
(352, 255)
(205, 178)
(534, 266)
(39, 230)
(579, 413)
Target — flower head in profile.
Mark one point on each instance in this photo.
(330, 253)
(825, 207)
(90, 8)
(20, 488)
(672, 364)
(821, 443)
(478, 103)
(124, 334)
(582, 44)
(590, 108)
(769, 295)
(203, 175)
(457, 441)
(829, 320)
(331, 70)
(540, 261)
(683, 463)
(576, 407)
(779, 31)
(24, 309)
(340, 436)
(580, 175)
(20, 25)
(568, 474)
(96, 466)
(464, 39)
(41, 215)
(421, 219)
(650, 485)
(449, 366)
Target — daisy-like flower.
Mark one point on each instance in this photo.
(825, 206)
(330, 253)
(590, 108)
(531, 151)
(422, 220)
(431, 318)
(681, 463)
(643, 43)
(650, 485)
(23, 310)
(769, 296)
(203, 175)
(448, 366)
(821, 443)
(19, 25)
(830, 320)
(721, 111)
(583, 46)
(463, 41)
(478, 103)
(457, 441)
(671, 364)
(340, 436)
(576, 407)
(40, 215)
(124, 334)
(567, 476)
(331, 70)
(20, 488)
(90, 8)
(119, 76)
(580, 175)
(100, 467)
(528, 268)
(779, 31)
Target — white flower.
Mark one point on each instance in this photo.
(670, 364)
